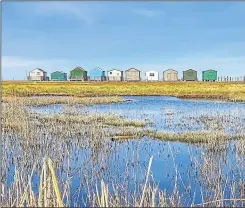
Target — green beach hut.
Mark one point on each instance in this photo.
(58, 76)
(78, 74)
(209, 75)
(190, 75)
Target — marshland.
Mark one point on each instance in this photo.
(117, 144)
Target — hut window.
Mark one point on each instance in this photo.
(38, 73)
(110, 72)
(152, 74)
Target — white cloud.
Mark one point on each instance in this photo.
(148, 12)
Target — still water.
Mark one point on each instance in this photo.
(128, 161)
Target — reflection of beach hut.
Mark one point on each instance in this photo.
(38, 75)
(78, 74)
(115, 75)
(97, 74)
(170, 75)
(132, 74)
(152, 75)
(58, 76)
(190, 75)
(209, 75)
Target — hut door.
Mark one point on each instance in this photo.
(172, 77)
(134, 75)
(169, 77)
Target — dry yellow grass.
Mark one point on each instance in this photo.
(207, 90)
(30, 101)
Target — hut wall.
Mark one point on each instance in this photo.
(133, 75)
(97, 75)
(170, 75)
(38, 75)
(209, 75)
(152, 76)
(190, 75)
(115, 75)
(58, 76)
(78, 74)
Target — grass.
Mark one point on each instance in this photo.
(29, 137)
(30, 101)
(111, 120)
(15, 117)
(206, 90)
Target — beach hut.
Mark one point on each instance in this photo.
(78, 74)
(209, 75)
(132, 74)
(151, 75)
(190, 75)
(170, 75)
(97, 74)
(58, 76)
(115, 75)
(38, 75)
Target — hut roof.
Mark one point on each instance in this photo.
(38, 69)
(97, 68)
(115, 70)
(78, 68)
(152, 71)
(210, 70)
(171, 70)
(189, 70)
(132, 68)
(58, 72)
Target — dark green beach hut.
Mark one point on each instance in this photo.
(58, 76)
(78, 74)
(209, 75)
(190, 75)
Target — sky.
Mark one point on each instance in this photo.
(145, 35)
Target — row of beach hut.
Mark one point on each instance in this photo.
(132, 74)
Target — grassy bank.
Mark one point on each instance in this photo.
(31, 101)
(206, 90)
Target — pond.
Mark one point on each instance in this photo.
(170, 113)
(187, 165)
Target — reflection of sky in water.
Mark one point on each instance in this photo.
(137, 152)
(167, 113)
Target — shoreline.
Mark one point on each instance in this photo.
(182, 97)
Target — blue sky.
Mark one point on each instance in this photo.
(145, 35)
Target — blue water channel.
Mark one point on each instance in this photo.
(167, 114)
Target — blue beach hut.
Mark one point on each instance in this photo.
(97, 74)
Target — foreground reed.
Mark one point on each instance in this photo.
(21, 193)
(69, 159)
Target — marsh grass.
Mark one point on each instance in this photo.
(44, 101)
(111, 120)
(217, 90)
(21, 192)
(28, 138)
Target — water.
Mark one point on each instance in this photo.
(120, 160)
(168, 113)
